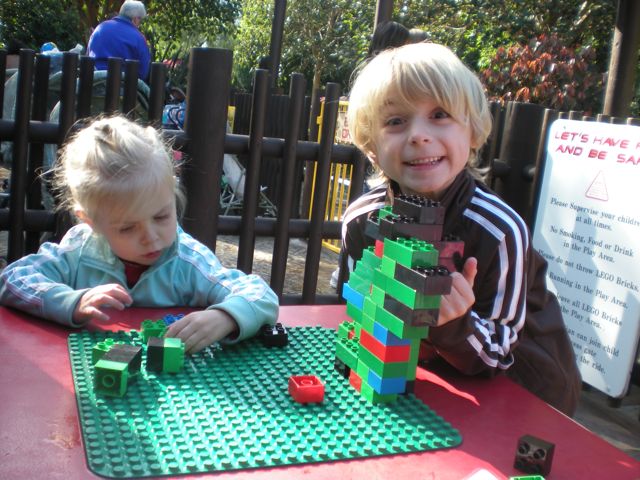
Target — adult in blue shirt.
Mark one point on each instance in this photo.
(121, 38)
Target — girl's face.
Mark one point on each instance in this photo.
(422, 147)
(141, 236)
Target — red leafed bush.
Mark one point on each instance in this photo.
(546, 72)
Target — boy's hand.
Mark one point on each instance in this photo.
(93, 303)
(461, 298)
(198, 330)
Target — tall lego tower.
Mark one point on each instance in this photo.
(393, 297)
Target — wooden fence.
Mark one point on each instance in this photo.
(273, 150)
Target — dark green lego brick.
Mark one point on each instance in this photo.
(411, 252)
(229, 409)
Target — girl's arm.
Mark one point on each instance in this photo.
(40, 284)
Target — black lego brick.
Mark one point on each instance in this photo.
(422, 209)
(128, 354)
(414, 317)
(425, 280)
(155, 354)
(534, 455)
(401, 226)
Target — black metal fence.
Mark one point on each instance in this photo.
(272, 147)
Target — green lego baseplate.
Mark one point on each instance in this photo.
(229, 409)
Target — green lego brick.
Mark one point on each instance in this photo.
(354, 312)
(152, 328)
(344, 329)
(386, 211)
(382, 369)
(110, 378)
(359, 284)
(367, 323)
(412, 364)
(411, 252)
(100, 348)
(370, 258)
(391, 322)
(347, 351)
(229, 409)
(173, 359)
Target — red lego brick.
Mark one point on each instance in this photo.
(306, 388)
(355, 381)
(386, 353)
(379, 248)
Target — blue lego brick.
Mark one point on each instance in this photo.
(384, 336)
(386, 386)
(350, 295)
(170, 319)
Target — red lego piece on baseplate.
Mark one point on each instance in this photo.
(379, 248)
(355, 381)
(306, 388)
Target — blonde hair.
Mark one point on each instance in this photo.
(113, 163)
(409, 74)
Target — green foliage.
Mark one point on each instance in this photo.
(31, 23)
(546, 72)
(321, 42)
(174, 27)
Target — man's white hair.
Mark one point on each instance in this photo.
(133, 9)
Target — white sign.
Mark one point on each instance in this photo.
(588, 228)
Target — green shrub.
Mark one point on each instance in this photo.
(31, 23)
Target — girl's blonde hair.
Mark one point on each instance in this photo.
(112, 163)
(409, 74)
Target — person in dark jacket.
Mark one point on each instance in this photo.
(120, 37)
(420, 115)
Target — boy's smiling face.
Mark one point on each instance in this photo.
(421, 146)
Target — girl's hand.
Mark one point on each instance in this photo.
(93, 303)
(461, 298)
(198, 330)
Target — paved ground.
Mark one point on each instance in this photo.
(619, 426)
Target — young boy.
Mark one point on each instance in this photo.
(420, 115)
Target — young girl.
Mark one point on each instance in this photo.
(420, 116)
(118, 178)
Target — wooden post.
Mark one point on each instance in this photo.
(624, 58)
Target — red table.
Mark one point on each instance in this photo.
(40, 433)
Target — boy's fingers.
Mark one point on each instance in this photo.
(470, 269)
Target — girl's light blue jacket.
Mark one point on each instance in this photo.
(50, 283)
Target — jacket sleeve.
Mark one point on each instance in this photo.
(483, 339)
(39, 284)
(247, 298)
